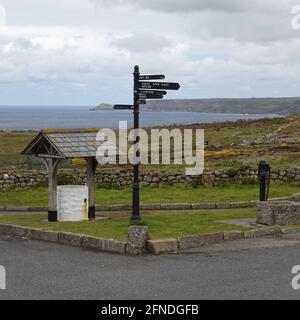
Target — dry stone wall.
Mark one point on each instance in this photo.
(123, 177)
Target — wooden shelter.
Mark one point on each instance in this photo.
(52, 146)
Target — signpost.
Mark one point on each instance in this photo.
(161, 92)
(143, 90)
(159, 85)
(123, 107)
(152, 77)
(150, 96)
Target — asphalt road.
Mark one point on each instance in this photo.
(40, 270)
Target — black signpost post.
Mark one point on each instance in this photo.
(144, 88)
(136, 167)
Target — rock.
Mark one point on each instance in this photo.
(137, 240)
(5, 229)
(161, 246)
(150, 206)
(263, 232)
(296, 197)
(70, 239)
(223, 205)
(51, 236)
(242, 204)
(199, 241)
(90, 242)
(291, 230)
(19, 231)
(278, 212)
(203, 206)
(114, 246)
(153, 185)
(233, 235)
(175, 206)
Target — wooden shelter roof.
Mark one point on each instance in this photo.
(64, 143)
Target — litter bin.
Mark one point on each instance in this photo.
(72, 203)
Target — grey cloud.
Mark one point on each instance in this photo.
(142, 42)
(229, 45)
(179, 6)
(240, 20)
(245, 27)
(22, 43)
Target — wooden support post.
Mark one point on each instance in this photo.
(91, 165)
(52, 165)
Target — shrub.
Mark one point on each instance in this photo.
(207, 182)
(232, 173)
(78, 162)
(196, 183)
(63, 179)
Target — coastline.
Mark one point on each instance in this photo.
(35, 119)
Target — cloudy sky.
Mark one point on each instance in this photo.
(82, 52)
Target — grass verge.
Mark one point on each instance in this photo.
(223, 193)
(161, 224)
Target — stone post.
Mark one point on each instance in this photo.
(137, 240)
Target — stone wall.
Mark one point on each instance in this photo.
(123, 177)
(278, 213)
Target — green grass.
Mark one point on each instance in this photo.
(223, 193)
(161, 224)
(225, 134)
(11, 146)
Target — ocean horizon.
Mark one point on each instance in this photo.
(24, 118)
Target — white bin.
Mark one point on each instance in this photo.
(72, 203)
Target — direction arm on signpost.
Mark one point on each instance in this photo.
(160, 92)
(159, 85)
(150, 96)
(123, 107)
(152, 77)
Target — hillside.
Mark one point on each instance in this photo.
(282, 106)
(230, 144)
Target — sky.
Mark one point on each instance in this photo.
(82, 52)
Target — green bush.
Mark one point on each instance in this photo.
(196, 183)
(232, 173)
(63, 179)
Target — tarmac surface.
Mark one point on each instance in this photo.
(242, 269)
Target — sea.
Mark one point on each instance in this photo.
(24, 118)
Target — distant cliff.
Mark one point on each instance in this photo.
(103, 106)
(282, 106)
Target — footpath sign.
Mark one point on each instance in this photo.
(145, 88)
